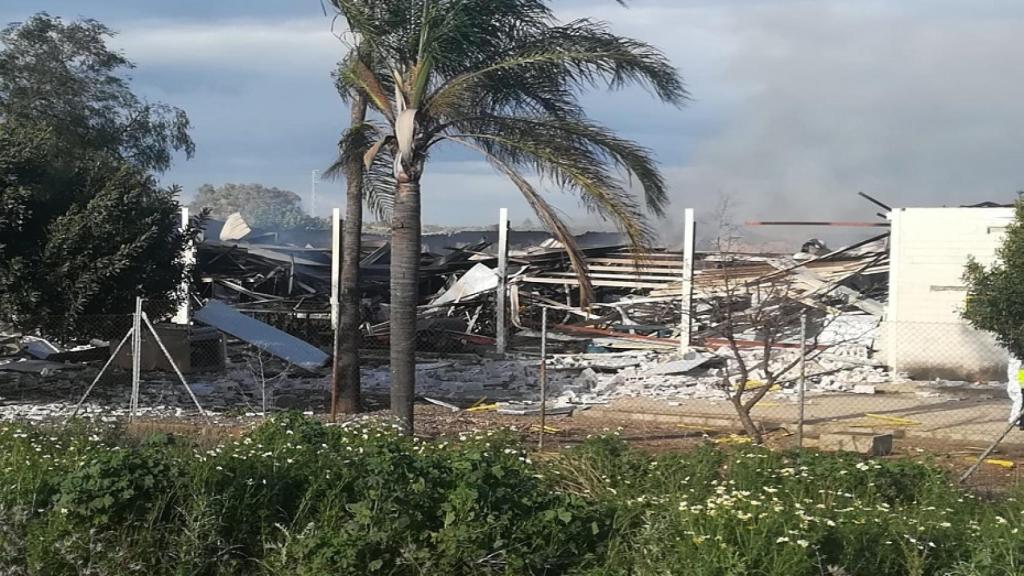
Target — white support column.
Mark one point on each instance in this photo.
(184, 313)
(501, 329)
(686, 321)
(335, 266)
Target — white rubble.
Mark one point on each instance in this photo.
(581, 379)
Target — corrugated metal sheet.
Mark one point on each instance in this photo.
(261, 335)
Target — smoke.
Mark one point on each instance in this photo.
(918, 106)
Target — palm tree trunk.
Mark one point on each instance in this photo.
(349, 400)
(405, 264)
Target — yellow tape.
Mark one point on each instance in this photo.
(733, 439)
(755, 384)
(894, 420)
(483, 408)
(1008, 464)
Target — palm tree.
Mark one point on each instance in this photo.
(346, 394)
(502, 78)
(347, 388)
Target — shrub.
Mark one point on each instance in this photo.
(296, 497)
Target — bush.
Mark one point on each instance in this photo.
(296, 497)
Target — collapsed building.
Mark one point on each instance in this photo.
(652, 324)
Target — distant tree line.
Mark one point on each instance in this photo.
(261, 206)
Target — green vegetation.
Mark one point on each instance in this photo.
(296, 497)
(995, 294)
(84, 225)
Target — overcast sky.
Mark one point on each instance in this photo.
(797, 105)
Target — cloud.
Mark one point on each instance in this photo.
(918, 106)
(283, 48)
(797, 104)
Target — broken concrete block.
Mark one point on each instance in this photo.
(863, 389)
(862, 443)
(587, 380)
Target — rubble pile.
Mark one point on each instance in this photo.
(615, 318)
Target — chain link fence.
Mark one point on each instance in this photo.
(938, 386)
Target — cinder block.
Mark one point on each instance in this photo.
(868, 444)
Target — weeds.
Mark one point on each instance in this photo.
(296, 497)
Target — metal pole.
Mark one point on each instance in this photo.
(183, 315)
(291, 276)
(501, 331)
(336, 235)
(133, 403)
(543, 374)
(974, 467)
(312, 192)
(803, 375)
(686, 321)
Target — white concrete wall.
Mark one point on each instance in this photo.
(923, 333)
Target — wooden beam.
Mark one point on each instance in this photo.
(819, 223)
(596, 282)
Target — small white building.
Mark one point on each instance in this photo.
(923, 333)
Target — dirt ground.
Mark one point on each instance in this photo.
(917, 410)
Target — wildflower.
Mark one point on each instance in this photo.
(781, 540)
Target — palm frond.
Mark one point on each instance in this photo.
(565, 59)
(379, 182)
(583, 135)
(353, 74)
(354, 143)
(573, 166)
(547, 214)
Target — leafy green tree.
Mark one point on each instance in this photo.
(995, 294)
(81, 235)
(64, 77)
(84, 227)
(259, 205)
(502, 78)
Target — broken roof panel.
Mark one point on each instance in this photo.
(261, 335)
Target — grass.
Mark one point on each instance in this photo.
(296, 497)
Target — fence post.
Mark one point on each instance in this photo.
(501, 331)
(803, 377)
(183, 314)
(686, 321)
(336, 226)
(133, 403)
(543, 374)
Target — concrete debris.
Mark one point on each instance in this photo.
(533, 409)
(32, 366)
(573, 382)
(693, 361)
